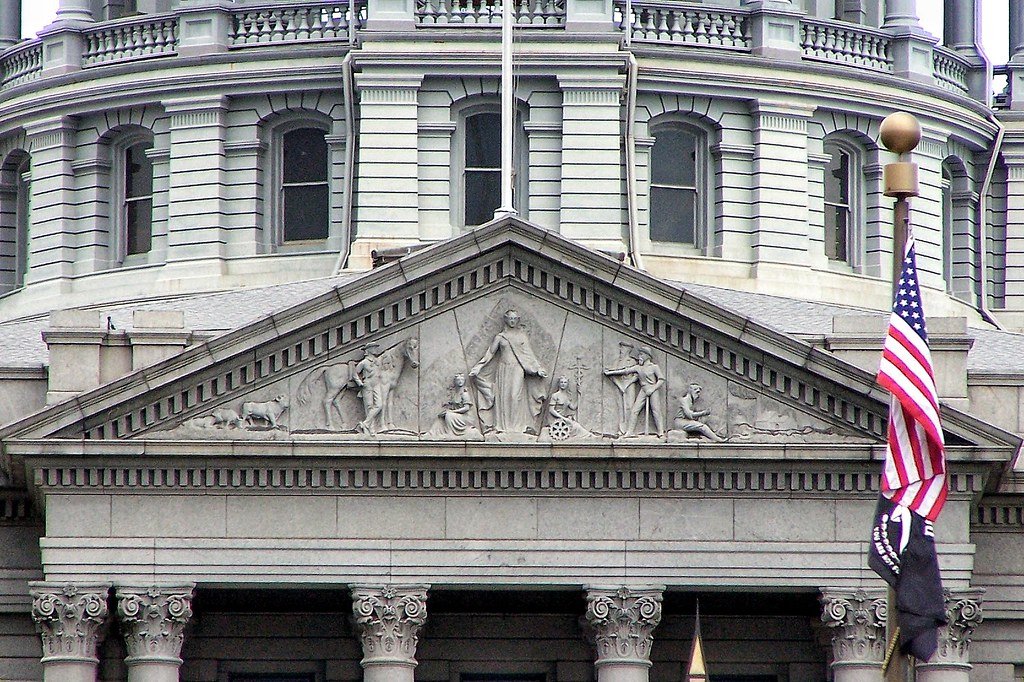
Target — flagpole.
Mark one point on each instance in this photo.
(900, 133)
(507, 207)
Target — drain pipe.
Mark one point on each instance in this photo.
(997, 148)
(632, 75)
(348, 189)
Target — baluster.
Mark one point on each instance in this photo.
(138, 31)
(149, 38)
(675, 31)
(114, 44)
(701, 34)
(688, 19)
(717, 26)
(539, 12)
(287, 25)
(279, 27)
(663, 24)
(160, 40)
(649, 23)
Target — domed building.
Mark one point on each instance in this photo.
(285, 400)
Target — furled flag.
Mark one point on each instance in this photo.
(695, 671)
(913, 486)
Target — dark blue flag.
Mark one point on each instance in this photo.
(903, 553)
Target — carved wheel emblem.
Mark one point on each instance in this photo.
(560, 429)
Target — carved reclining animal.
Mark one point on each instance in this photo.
(269, 411)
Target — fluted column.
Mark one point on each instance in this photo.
(856, 619)
(10, 23)
(74, 10)
(959, 23)
(72, 620)
(950, 662)
(153, 621)
(621, 622)
(388, 618)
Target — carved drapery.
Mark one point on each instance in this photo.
(153, 621)
(621, 623)
(71, 619)
(388, 619)
(857, 621)
(963, 611)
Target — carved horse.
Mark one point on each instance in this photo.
(339, 377)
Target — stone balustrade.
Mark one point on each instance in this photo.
(665, 22)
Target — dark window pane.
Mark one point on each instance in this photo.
(483, 141)
(139, 235)
(138, 171)
(673, 215)
(272, 678)
(837, 232)
(483, 193)
(23, 221)
(837, 177)
(674, 158)
(305, 212)
(305, 156)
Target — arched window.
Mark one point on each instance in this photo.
(677, 185)
(15, 209)
(844, 203)
(482, 169)
(136, 215)
(304, 206)
(476, 167)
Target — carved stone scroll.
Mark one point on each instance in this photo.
(153, 621)
(963, 613)
(388, 619)
(857, 620)
(621, 623)
(71, 619)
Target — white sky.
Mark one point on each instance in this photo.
(995, 20)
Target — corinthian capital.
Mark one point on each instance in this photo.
(388, 618)
(153, 621)
(71, 619)
(857, 620)
(963, 611)
(621, 622)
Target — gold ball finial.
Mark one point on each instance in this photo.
(900, 132)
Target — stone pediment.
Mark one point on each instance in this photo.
(509, 334)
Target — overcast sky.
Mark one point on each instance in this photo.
(38, 13)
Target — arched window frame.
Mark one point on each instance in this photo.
(461, 113)
(125, 141)
(855, 204)
(274, 183)
(16, 179)
(960, 252)
(703, 188)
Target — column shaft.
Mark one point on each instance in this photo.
(959, 23)
(1016, 28)
(74, 10)
(901, 14)
(10, 23)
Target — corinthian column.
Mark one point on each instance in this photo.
(621, 624)
(857, 621)
(950, 662)
(153, 621)
(72, 620)
(388, 618)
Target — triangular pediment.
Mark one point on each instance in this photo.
(633, 351)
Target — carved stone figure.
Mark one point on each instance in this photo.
(649, 379)
(456, 418)
(269, 411)
(562, 424)
(506, 380)
(377, 376)
(626, 383)
(224, 417)
(690, 419)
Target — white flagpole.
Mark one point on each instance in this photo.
(507, 110)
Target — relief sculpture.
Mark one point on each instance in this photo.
(508, 380)
(373, 377)
(456, 419)
(691, 420)
(562, 413)
(649, 380)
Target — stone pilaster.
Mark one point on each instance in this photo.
(72, 620)
(950, 662)
(620, 623)
(153, 621)
(856, 619)
(53, 199)
(388, 619)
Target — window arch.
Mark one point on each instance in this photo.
(477, 162)
(679, 184)
(132, 196)
(298, 189)
(15, 219)
(843, 194)
(959, 248)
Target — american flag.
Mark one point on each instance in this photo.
(914, 474)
